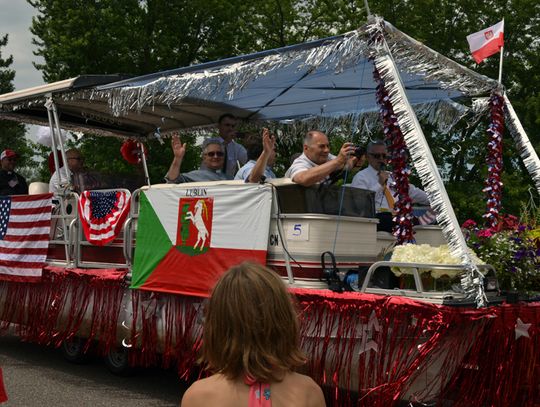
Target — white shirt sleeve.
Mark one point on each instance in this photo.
(54, 183)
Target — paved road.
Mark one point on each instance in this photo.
(39, 376)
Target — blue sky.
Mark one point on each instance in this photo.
(15, 20)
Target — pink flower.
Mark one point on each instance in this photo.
(469, 224)
(510, 222)
(485, 233)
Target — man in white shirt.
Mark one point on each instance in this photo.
(235, 154)
(76, 174)
(261, 158)
(375, 178)
(316, 163)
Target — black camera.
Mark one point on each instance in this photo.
(359, 151)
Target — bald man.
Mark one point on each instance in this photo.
(315, 164)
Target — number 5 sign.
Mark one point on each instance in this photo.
(298, 231)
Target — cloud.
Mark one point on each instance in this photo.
(15, 20)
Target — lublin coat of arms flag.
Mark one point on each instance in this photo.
(187, 237)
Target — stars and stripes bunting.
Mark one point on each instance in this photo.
(25, 225)
(102, 214)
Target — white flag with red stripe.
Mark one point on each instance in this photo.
(486, 42)
(25, 225)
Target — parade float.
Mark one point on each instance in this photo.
(132, 280)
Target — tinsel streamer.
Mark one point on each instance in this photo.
(494, 161)
(363, 349)
(472, 280)
(403, 217)
(501, 369)
(523, 144)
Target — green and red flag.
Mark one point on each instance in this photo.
(187, 236)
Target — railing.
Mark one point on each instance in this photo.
(415, 269)
(66, 231)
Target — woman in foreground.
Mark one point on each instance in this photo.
(250, 342)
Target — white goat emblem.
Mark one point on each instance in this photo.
(196, 218)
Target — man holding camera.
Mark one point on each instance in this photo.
(316, 164)
(377, 179)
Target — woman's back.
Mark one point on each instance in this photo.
(294, 390)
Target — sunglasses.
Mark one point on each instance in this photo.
(215, 154)
(379, 156)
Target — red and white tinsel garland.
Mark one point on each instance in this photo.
(494, 161)
(403, 212)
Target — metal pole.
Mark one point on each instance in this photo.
(49, 105)
(501, 60)
(500, 65)
(366, 5)
(61, 142)
(140, 146)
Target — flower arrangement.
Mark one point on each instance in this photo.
(512, 248)
(426, 254)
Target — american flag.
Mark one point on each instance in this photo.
(25, 225)
(102, 214)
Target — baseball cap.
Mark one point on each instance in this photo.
(7, 154)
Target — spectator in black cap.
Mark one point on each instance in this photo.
(11, 183)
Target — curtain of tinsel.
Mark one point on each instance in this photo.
(362, 349)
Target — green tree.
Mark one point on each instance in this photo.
(12, 134)
(138, 37)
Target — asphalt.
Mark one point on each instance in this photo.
(39, 376)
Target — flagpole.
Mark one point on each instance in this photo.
(366, 5)
(501, 61)
(500, 65)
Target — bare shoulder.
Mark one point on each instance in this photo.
(201, 392)
(313, 394)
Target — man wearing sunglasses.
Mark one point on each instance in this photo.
(211, 165)
(377, 179)
(315, 164)
(11, 183)
(76, 175)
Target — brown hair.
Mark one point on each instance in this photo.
(251, 327)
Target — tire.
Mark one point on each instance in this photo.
(73, 350)
(117, 361)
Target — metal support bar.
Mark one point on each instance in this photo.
(52, 117)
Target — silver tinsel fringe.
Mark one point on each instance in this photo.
(472, 282)
(523, 144)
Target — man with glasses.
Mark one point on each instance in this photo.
(315, 164)
(376, 178)
(211, 166)
(81, 179)
(11, 183)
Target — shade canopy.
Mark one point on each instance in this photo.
(327, 78)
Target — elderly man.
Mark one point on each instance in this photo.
(316, 163)
(81, 179)
(375, 178)
(211, 165)
(261, 159)
(235, 154)
(11, 183)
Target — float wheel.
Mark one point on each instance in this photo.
(117, 361)
(73, 350)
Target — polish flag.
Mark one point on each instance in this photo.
(486, 42)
